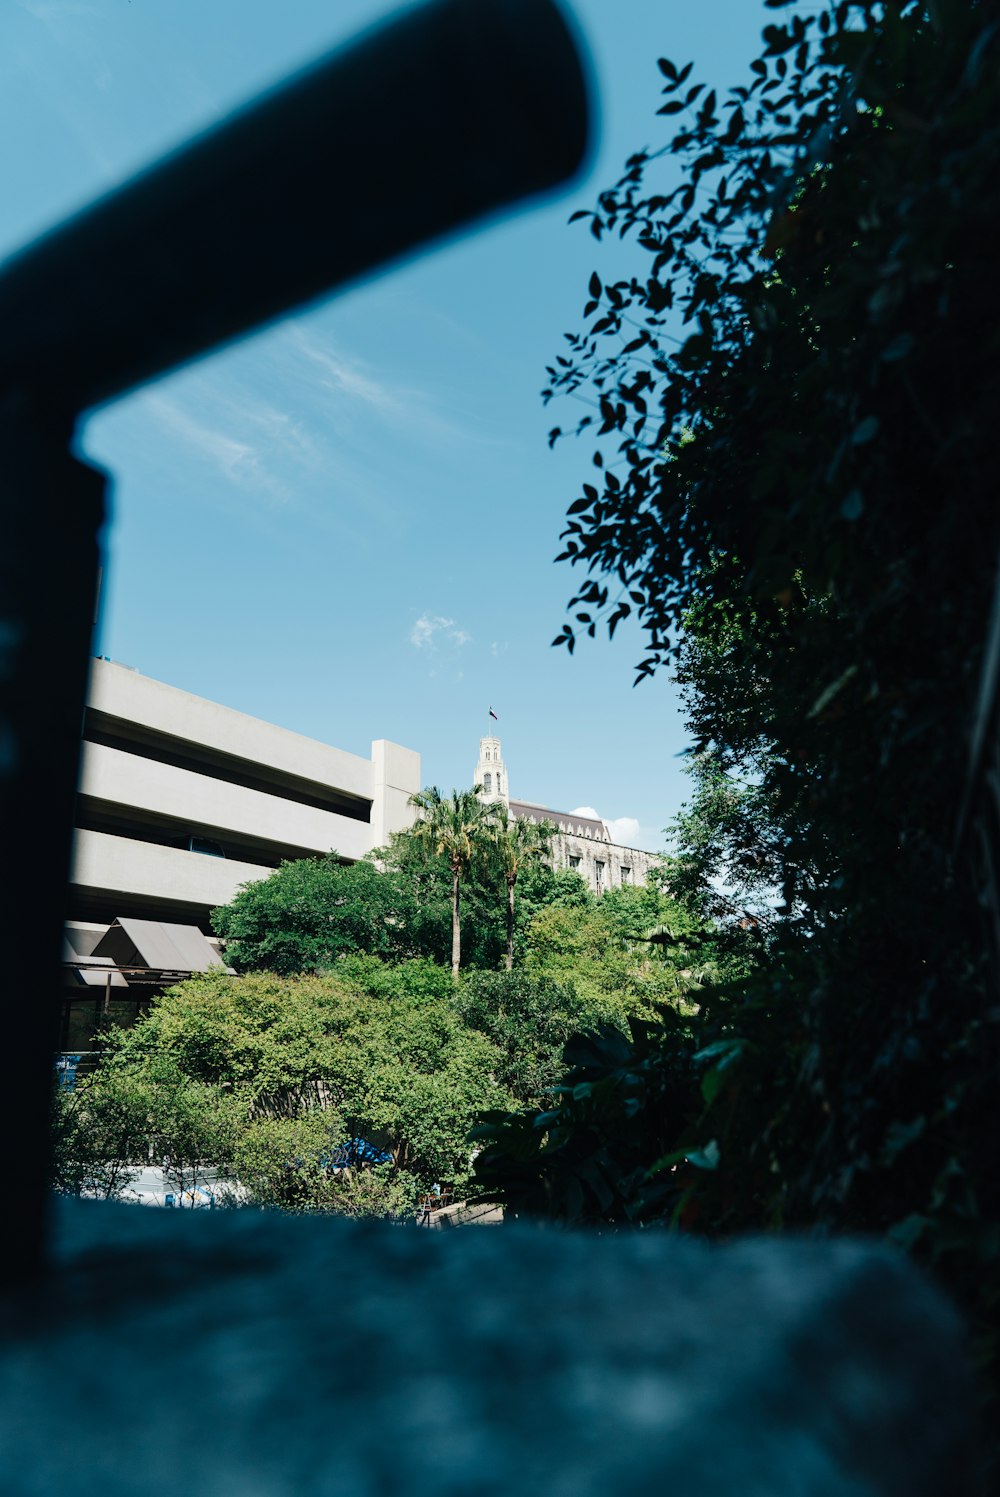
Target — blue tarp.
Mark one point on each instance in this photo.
(355, 1152)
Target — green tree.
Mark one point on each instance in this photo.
(542, 886)
(430, 878)
(100, 1134)
(312, 911)
(193, 1125)
(528, 1017)
(513, 844)
(604, 950)
(311, 914)
(366, 1050)
(116, 1119)
(456, 829)
(292, 1164)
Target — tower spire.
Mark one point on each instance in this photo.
(491, 772)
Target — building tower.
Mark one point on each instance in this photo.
(491, 772)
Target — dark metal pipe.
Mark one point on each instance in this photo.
(52, 512)
(424, 124)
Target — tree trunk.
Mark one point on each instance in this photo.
(510, 925)
(456, 924)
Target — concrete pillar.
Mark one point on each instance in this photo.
(395, 777)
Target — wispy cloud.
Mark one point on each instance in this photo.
(47, 11)
(238, 461)
(57, 16)
(342, 374)
(430, 630)
(293, 420)
(278, 432)
(242, 420)
(74, 26)
(354, 384)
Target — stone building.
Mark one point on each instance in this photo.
(582, 843)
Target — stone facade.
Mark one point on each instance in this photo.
(582, 843)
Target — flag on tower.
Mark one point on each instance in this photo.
(494, 716)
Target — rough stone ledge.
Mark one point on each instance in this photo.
(239, 1354)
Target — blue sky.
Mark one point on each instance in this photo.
(346, 524)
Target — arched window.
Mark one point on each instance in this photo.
(488, 783)
(499, 791)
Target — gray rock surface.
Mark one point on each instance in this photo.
(244, 1355)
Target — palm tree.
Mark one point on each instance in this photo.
(457, 830)
(512, 844)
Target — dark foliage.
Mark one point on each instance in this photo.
(529, 1017)
(796, 498)
(587, 1156)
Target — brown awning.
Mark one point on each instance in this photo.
(94, 971)
(158, 944)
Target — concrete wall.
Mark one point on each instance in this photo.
(125, 694)
(213, 806)
(128, 795)
(160, 874)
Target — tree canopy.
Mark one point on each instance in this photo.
(312, 911)
(399, 904)
(270, 1076)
